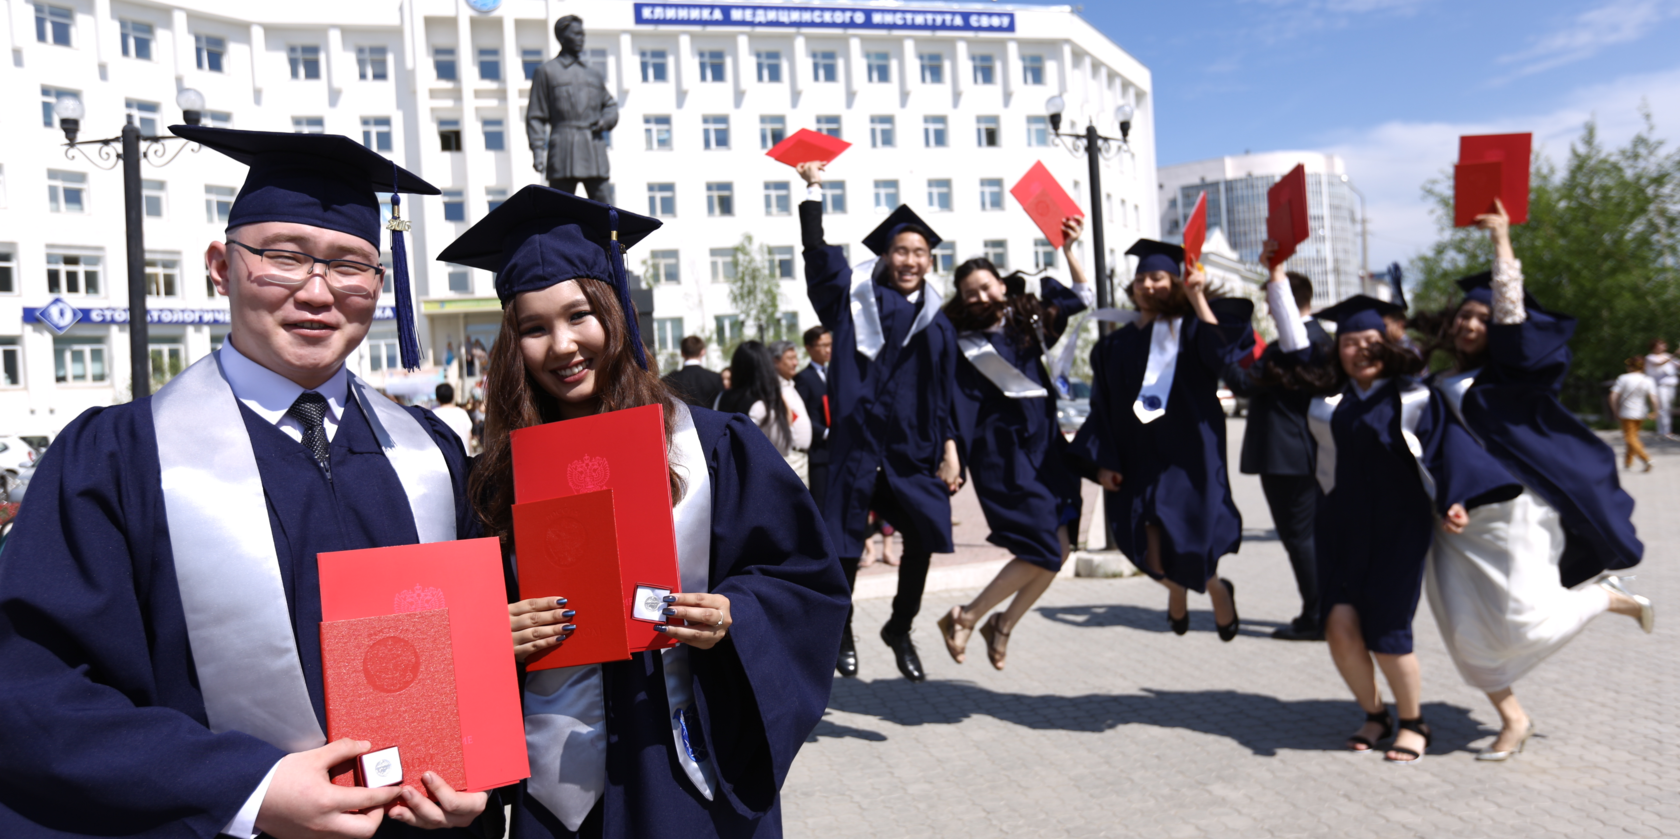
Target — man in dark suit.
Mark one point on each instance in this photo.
(693, 382)
(1278, 447)
(812, 384)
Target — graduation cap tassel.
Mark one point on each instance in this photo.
(407, 341)
(622, 280)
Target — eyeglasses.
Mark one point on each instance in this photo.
(292, 268)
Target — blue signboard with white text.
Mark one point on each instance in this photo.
(812, 17)
(60, 315)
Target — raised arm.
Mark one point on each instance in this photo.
(828, 279)
(1072, 228)
(1508, 307)
(1280, 299)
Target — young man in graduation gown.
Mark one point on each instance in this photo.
(159, 600)
(812, 384)
(1278, 447)
(892, 444)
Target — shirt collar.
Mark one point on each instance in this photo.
(691, 362)
(567, 59)
(1363, 394)
(270, 394)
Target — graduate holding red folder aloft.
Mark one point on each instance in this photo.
(694, 740)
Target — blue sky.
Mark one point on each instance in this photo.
(1390, 84)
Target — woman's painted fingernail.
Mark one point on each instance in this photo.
(668, 611)
(659, 627)
(559, 601)
(568, 627)
(670, 598)
(568, 613)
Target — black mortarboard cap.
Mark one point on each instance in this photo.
(1358, 314)
(1478, 287)
(1157, 256)
(542, 237)
(327, 181)
(880, 240)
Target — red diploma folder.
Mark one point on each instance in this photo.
(1286, 219)
(1513, 153)
(623, 451)
(1195, 233)
(390, 680)
(567, 548)
(466, 578)
(1046, 203)
(805, 145)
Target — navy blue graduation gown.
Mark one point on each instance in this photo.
(759, 693)
(1514, 410)
(1014, 448)
(1374, 528)
(102, 726)
(1173, 470)
(891, 414)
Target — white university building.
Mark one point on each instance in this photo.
(944, 104)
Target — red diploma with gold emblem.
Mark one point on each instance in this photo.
(622, 452)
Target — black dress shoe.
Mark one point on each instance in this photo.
(904, 653)
(847, 665)
(1296, 633)
(1229, 631)
(1179, 625)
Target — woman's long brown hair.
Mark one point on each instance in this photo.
(512, 401)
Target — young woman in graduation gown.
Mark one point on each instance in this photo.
(1501, 589)
(1156, 432)
(1390, 461)
(695, 740)
(892, 447)
(1015, 451)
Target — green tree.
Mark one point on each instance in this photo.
(1602, 243)
(754, 290)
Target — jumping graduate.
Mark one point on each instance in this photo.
(159, 600)
(1500, 588)
(1156, 432)
(892, 447)
(1390, 459)
(697, 739)
(1014, 448)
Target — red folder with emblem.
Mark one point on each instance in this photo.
(1491, 165)
(805, 145)
(1286, 217)
(1046, 203)
(1195, 233)
(622, 451)
(568, 547)
(390, 680)
(464, 579)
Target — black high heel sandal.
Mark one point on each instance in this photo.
(1371, 745)
(1420, 727)
(1229, 631)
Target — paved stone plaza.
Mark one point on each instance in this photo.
(1107, 724)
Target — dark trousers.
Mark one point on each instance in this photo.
(598, 188)
(912, 564)
(819, 480)
(1294, 503)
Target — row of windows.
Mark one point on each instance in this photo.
(779, 197)
(81, 274)
(665, 266)
(825, 66)
(488, 60)
(883, 131)
(82, 360)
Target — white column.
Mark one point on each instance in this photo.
(182, 37)
(1067, 69)
(912, 64)
(107, 37)
(259, 58)
(335, 45)
(1011, 65)
(960, 68)
(686, 69)
(799, 64)
(743, 60)
(855, 68)
(629, 66)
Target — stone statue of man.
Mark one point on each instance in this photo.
(567, 113)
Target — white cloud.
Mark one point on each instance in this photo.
(1390, 162)
(1615, 22)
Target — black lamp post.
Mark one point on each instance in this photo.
(1096, 148)
(70, 112)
